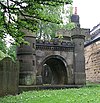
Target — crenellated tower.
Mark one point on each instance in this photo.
(78, 38)
(79, 59)
(27, 58)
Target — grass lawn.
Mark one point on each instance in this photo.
(89, 94)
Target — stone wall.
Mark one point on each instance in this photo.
(92, 61)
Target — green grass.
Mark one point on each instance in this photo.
(89, 94)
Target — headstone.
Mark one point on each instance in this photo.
(9, 75)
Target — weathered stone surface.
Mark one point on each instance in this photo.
(92, 62)
(9, 77)
(27, 59)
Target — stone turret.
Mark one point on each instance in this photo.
(79, 59)
(26, 56)
(78, 37)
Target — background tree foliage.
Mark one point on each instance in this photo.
(7, 51)
(2, 55)
(3, 49)
(3, 46)
(48, 30)
(11, 51)
(16, 15)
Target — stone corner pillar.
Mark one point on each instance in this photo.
(79, 59)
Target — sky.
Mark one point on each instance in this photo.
(89, 12)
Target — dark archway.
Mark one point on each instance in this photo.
(54, 70)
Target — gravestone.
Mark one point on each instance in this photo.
(9, 75)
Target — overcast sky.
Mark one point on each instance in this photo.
(89, 12)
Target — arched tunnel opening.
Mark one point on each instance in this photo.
(54, 72)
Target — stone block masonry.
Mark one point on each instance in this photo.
(92, 62)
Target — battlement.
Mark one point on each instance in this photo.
(63, 46)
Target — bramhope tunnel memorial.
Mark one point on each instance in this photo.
(54, 63)
(45, 64)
